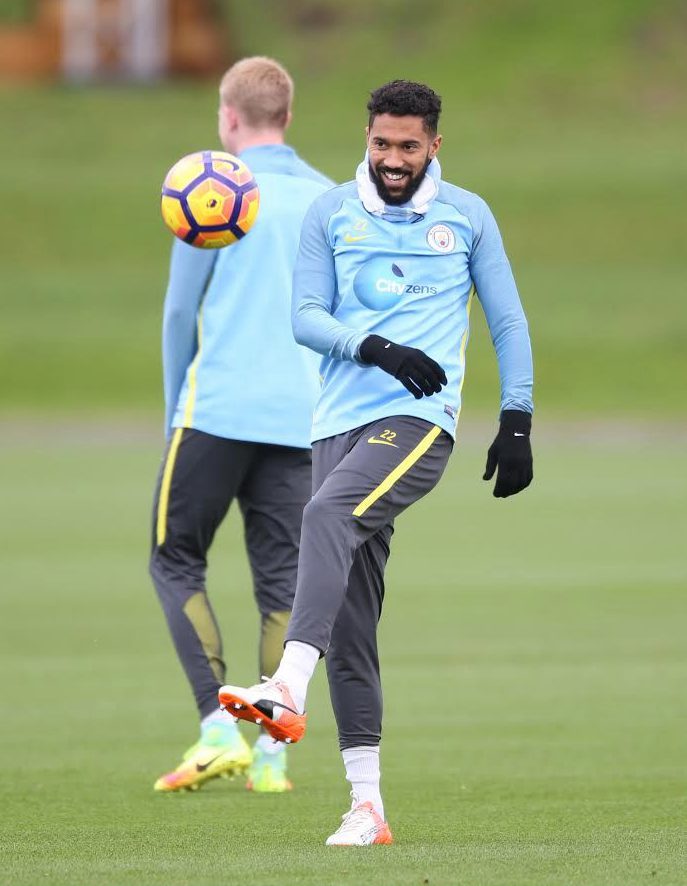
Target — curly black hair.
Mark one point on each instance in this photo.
(406, 98)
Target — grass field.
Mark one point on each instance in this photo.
(545, 635)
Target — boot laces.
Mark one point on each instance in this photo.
(356, 815)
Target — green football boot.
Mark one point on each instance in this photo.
(220, 751)
(267, 773)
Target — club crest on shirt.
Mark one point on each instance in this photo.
(441, 238)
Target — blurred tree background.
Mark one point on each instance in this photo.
(570, 120)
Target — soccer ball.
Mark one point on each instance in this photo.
(210, 199)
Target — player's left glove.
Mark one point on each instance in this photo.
(511, 453)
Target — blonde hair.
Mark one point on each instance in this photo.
(260, 89)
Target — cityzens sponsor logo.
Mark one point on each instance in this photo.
(378, 289)
(394, 286)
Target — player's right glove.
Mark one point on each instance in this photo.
(512, 453)
(413, 368)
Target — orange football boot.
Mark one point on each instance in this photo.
(268, 704)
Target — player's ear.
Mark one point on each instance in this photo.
(231, 117)
(434, 147)
(367, 133)
(289, 118)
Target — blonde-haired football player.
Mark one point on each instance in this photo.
(239, 397)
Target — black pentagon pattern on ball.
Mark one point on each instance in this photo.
(240, 191)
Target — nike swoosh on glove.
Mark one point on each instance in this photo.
(511, 453)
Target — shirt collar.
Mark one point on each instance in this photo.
(279, 150)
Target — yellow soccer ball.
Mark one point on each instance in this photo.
(210, 199)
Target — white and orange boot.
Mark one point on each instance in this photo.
(362, 826)
(268, 704)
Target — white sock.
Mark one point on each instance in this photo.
(268, 745)
(296, 667)
(362, 771)
(217, 716)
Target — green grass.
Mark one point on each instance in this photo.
(545, 635)
(571, 123)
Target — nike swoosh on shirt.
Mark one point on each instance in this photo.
(201, 767)
(352, 238)
(382, 442)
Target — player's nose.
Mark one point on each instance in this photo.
(394, 160)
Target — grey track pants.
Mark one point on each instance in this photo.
(362, 480)
(201, 474)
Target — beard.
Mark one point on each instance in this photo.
(403, 196)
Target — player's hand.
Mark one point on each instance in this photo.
(511, 453)
(413, 368)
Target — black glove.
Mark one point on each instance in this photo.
(412, 367)
(512, 452)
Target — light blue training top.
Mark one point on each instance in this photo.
(407, 274)
(231, 365)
